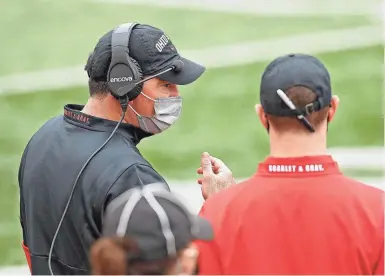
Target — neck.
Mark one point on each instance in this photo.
(109, 109)
(294, 145)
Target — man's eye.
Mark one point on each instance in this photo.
(167, 85)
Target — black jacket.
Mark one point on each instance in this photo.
(49, 166)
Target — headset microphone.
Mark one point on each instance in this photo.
(176, 67)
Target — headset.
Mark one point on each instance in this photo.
(124, 74)
(125, 80)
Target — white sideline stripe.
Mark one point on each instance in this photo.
(212, 57)
(191, 195)
(262, 7)
(365, 158)
(315, 43)
(14, 270)
(368, 158)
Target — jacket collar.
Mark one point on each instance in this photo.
(73, 115)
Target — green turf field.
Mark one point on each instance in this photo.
(218, 113)
(217, 117)
(62, 35)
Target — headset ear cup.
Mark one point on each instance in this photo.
(136, 91)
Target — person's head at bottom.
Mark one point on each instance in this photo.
(148, 231)
(306, 82)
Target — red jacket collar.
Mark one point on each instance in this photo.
(298, 166)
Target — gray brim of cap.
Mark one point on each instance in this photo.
(204, 229)
(189, 73)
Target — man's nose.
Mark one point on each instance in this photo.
(174, 91)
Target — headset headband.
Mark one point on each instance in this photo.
(121, 38)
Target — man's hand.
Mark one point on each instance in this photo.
(216, 176)
(187, 261)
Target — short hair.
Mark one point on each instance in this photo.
(300, 96)
(97, 66)
(98, 88)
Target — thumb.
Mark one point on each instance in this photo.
(206, 164)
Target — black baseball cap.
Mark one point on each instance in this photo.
(156, 220)
(294, 70)
(154, 52)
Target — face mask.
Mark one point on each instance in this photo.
(167, 112)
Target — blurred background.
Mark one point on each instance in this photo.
(45, 44)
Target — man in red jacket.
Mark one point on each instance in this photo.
(298, 214)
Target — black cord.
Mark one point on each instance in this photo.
(124, 105)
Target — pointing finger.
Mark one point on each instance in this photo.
(207, 169)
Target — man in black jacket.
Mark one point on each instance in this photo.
(133, 74)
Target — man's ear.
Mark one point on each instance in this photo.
(334, 103)
(262, 116)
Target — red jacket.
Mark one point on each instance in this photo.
(295, 216)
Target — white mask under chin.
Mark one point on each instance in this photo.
(167, 112)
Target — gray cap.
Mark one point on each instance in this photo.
(159, 223)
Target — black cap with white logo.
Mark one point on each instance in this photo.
(154, 52)
(156, 220)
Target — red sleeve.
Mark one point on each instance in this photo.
(27, 255)
(379, 269)
(208, 261)
(379, 262)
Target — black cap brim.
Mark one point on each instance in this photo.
(204, 230)
(188, 73)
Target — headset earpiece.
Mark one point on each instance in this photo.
(124, 72)
(123, 79)
(138, 87)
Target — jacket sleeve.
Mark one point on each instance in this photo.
(209, 260)
(135, 176)
(24, 243)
